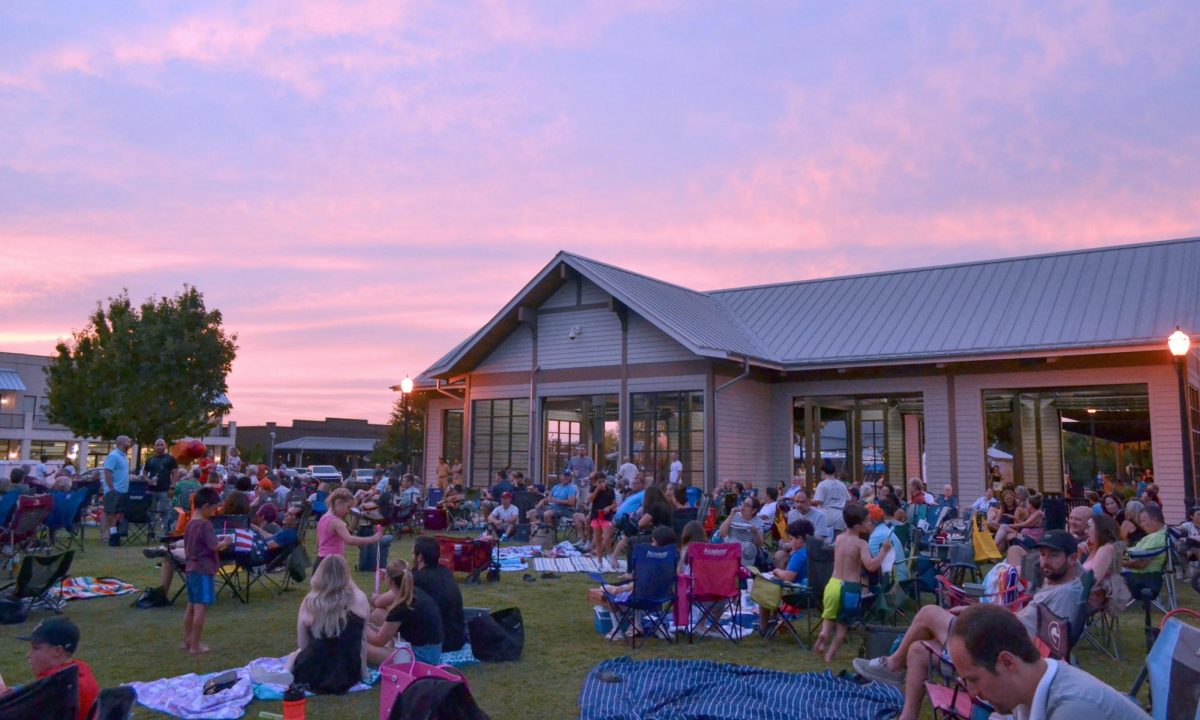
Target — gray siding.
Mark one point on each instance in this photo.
(515, 353)
(743, 430)
(563, 297)
(591, 293)
(599, 342)
(649, 344)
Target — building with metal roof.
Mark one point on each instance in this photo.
(916, 371)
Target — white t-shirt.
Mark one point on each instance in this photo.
(791, 492)
(766, 514)
(676, 471)
(627, 471)
(832, 494)
(505, 514)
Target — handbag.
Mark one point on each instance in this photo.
(298, 563)
(401, 670)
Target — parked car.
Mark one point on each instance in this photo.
(360, 479)
(324, 473)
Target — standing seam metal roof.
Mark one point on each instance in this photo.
(1099, 297)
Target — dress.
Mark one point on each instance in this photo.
(331, 666)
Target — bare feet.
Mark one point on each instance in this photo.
(185, 645)
(200, 648)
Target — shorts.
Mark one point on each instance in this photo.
(561, 511)
(842, 601)
(201, 589)
(600, 524)
(428, 654)
(116, 503)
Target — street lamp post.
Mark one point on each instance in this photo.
(1092, 426)
(271, 452)
(1179, 344)
(406, 387)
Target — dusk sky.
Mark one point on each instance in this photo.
(359, 186)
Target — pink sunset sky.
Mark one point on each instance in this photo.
(359, 186)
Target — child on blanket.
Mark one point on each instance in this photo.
(843, 593)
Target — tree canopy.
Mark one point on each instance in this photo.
(157, 370)
(391, 448)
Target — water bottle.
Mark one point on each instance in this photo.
(294, 702)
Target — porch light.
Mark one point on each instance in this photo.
(1179, 342)
(1091, 411)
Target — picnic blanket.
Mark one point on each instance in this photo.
(675, 689)
(82, 588)
(576, 564)
(513, 558)
(184, 696)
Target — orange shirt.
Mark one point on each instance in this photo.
(88, 689)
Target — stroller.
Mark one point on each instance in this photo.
(470, 556)
(411, 690)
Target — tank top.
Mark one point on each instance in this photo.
(328, 542)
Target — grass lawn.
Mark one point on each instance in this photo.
(123, 644)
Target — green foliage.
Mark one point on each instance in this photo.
(148, 371)
(390, 449)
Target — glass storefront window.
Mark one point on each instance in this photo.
(592, 421)
(865, 438)
(54, 450)
(663, 423)
(499, 438)
(452, 435)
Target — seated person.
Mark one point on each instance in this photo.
(501, 486)
(502, 521)
(884, 515)
(742, 527)
(332, 654)
(1132, 531)
(410, 493)
(656, 512)
(1002, 665)
(791, 559)
(406, 612)
(908, 667)
(559, 503)
(1110, 592)
(374, 505)
(629, 505)
(454, 497)
(948, 501)
(1146, 559)
(1191, 534)
(662, 536)
(1027, 531)
(52, 645)
(235, 504)
(438, 582)
(802, 509)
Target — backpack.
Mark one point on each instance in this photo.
(298, 563)
(151, 597)
(12, 612)
(499, 637)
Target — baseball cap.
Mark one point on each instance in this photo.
(566, 473)
(506, 495)
(56, 632)
(1059, 540)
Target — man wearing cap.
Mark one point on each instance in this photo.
(51, 645)
(908, 667)
(504, 517)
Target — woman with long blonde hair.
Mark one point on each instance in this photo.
(410, 614)
(329, 631)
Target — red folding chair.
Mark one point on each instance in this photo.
(715, 572)
(28, 521)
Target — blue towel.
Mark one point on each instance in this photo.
(680, 689)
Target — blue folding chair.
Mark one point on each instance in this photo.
(1172, 668)
(8, 502)
(653, 594)
(66, 519)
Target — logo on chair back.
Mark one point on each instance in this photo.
(715, 552)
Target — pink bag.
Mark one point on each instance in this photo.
(683, 605)
(401, 670)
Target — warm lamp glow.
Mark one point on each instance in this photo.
(1179, 342)
(406, 385)
(1091, 411)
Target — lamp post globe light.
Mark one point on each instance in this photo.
(406, 387)
(1179, 343)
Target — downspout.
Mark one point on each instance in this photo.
(741, 376)
(437, 385)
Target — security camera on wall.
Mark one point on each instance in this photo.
(575, 332)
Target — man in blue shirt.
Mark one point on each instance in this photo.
(560, 502)
(630, 505)
(115, 484)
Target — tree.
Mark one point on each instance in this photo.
(153, 371)
(390, 449)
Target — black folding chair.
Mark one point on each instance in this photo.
(55, 697)
(36, 579)
(114, 704)
(139, 516)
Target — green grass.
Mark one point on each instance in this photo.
(123, 644)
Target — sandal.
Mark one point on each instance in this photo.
(527, 577)
(549, 576)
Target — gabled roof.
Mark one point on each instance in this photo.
(1131, 295)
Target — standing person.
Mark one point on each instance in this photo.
(443, 474)
(163, 470)
(52, 645)
(831, 496)
(116, 489)
(581, 467)
(627, 471)
(1000, 664)
(206, 466)
(234, 462)
(201, 547)
(842, 601)
(675, 471)
(332, 534)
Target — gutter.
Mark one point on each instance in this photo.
(437, 385)
(741, 376)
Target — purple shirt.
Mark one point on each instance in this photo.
(200, 547)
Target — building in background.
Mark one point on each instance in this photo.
(344, 443)
(26, 434)
(1057, 364)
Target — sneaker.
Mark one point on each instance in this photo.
(876, 669)
(155, 552)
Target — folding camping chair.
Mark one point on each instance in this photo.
(652, 597)
(8, 502)
(950, 595)
(139, 515)
(1103, 628)
(1147, 587)
(772, 594)
(1173, 667)
(66, 519)
(24, 531)
(715, 568)
(960, 564)
(113, 704)
(36, 580)
(54, 697)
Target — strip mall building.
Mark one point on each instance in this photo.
(940, 373)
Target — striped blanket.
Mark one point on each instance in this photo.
(670, 689)
(82, 588)
(576, 564)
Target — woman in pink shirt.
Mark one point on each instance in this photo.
(332, 534)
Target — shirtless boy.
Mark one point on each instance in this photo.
(843, 594)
